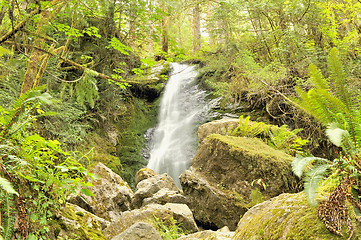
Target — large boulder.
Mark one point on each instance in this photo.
(222, 127)
(231, 174)
(112, 195)
(150, 186)
(288, 216)
(139, 231)
(179, 212)
(143, 174)
(164, 196)
(77, 223)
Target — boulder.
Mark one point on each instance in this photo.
(179, 212)
(139, 231)
(231, 174)
(164, 196)
(112, 195)
(288, 216)
(143, 174)
(222, 127)
(76, 222)
(208, 234)
(148, 187)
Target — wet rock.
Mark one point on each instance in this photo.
(112, 195)
(148, 187)
(139, 231)
(231, 174)
(180, 212)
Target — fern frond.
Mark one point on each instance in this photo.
(313, 177)
(336, 135)
(6, 185)
(317, 78)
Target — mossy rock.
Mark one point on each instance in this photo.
(229, 175)
(288, 216)
(77, 224)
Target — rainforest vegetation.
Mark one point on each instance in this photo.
(73, 79)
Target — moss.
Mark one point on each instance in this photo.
(85, 230)
(288, 217)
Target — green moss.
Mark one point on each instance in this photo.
(288, 217)
(85, 231)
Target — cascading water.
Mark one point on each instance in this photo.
(183, 107)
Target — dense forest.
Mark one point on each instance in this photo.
(75, 90)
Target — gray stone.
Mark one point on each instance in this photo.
(112, 195)
(148, 187)
(180, 212)
(164, 196)
(139, 231)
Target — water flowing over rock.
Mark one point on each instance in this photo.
(112, 195)
(231, 174)
(183, 106)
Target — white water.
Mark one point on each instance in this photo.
(182, 109)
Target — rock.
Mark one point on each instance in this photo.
(180, 212)
(143, 174)
(254, 172)
(222, 127)
(164, 196)
(288, 216)
(208, 234)
(150, 186)
(112, 195)
(139, 231)
(76, 222)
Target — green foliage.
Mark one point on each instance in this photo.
(278, 137)
(283, 138)
(248, 129)
(42, 171)
(168, 229)
(86, 89)
(116, 44)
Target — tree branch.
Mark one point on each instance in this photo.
(19, 26)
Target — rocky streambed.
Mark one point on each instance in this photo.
(236, 188)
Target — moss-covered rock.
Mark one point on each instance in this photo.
(222, 127)
(288, 216)
(179, 212)
(78, 224)
(231, 174)
(112, 195)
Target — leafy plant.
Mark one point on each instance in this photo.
(246, 128)
(335, 105)
(169, 229)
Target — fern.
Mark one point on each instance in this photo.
(312, 179)
(246, 128)
(8, 216)
(300, 164)
(5, 184)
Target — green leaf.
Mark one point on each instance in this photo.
(313, 177)
(4, 51)
(86, 192)
(336, 134)
(300, 163)
(6, 185)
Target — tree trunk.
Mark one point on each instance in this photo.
(165, 23)
(196, 29)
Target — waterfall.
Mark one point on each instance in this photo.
(182, 109)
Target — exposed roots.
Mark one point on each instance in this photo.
(334, 212)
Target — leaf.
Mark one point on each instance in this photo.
(86, 192)
(6, 185)
(336, 134)
(300, 163)
(4, 51)
(312, 179)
